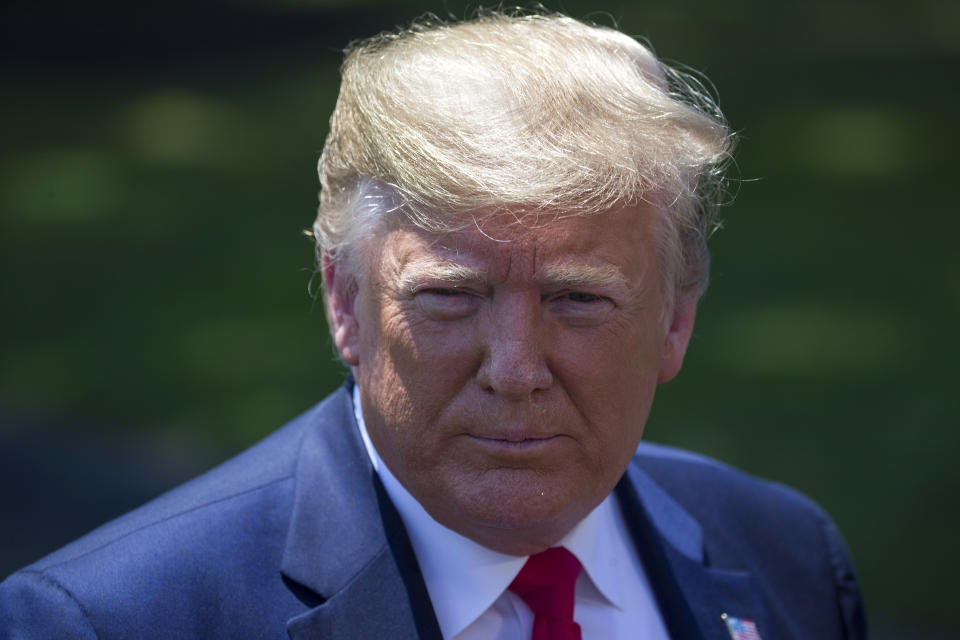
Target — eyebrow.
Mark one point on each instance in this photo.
(563, 274)
(417, 271)
(574, 275)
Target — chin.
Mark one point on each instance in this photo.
(506, 507)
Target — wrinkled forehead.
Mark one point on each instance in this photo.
(614, 247)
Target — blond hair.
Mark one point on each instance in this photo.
(538, 114)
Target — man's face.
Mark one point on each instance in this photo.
(506, 374)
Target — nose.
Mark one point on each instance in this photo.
(515, 364)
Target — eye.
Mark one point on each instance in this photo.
(581, 308)
(446, 303)
(580, 296)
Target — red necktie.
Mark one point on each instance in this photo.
(546, 583)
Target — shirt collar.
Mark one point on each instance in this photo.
(464, 578)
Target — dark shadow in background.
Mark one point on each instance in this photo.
(57, 481)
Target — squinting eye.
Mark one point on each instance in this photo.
(445, 303)
(582, 309)
(579, 296)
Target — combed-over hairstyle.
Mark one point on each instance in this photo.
(540, 115)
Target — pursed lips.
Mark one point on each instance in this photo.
(516, 442)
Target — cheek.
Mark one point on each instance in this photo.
(611, 376)
(423, 349)
(415, 367)
(623, 352)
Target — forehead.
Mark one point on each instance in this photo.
(505, 246)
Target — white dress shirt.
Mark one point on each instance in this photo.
(468, 582)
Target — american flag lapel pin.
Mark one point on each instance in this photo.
(741, 628)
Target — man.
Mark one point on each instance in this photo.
(512, 235)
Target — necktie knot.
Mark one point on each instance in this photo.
(547, 583)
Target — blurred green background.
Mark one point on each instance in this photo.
(158, 168)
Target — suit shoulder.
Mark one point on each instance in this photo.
(762, 527)
(238, 483)
(745, 518)
(179, 557)
(703, 483)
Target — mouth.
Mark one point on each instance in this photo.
(517, 444)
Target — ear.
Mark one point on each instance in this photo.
(678, 336)
(341, 288)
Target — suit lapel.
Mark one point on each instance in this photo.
(692, 595)
(347, 551)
